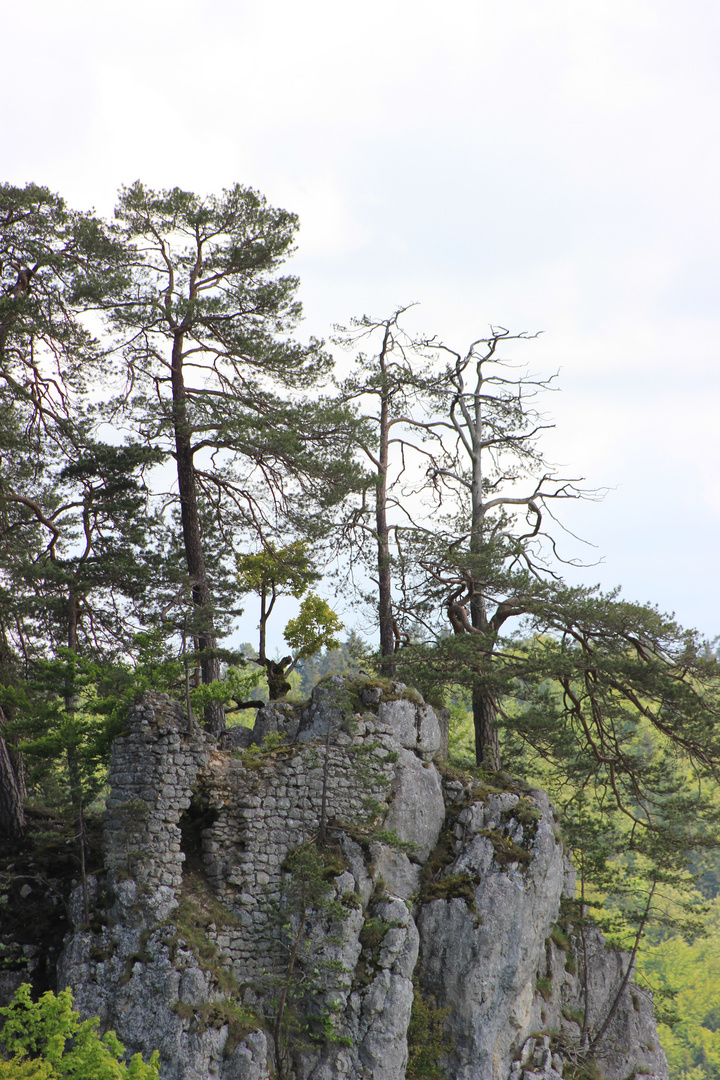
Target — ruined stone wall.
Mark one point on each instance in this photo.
(266, 802)
(446, 892)
(153, 771)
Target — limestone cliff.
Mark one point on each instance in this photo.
(310, 895)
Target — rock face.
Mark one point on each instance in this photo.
(324, 900)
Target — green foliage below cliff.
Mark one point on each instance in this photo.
(686, 979)
(46, 1040)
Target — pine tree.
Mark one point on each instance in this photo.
(51, 261)
(202, 319)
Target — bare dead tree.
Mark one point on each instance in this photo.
(484, 465)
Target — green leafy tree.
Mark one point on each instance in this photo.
(271, 573)
(48, 1041)
(288, 571)
(316, 627)
(685, 978)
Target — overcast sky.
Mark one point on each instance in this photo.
(546, 165)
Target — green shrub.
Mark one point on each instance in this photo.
(560, 938)
(19, 1069)
(575, 1016)
(428, 1040)
(544, 988)
(460, 886)
(506, 850)
(48, 1040)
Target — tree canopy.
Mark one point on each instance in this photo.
(201, 317)
(169, 451)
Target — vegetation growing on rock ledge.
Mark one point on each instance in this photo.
(422, 471)
(428, 1039)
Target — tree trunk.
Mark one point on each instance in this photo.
(190, 518)
(385, 613)
(73, 618)
(487, 749)
(12, 814)
(278, 686)
(487, 746)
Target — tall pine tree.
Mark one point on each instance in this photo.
(203, 319)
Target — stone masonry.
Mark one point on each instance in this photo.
(154, 768)
(442, 887)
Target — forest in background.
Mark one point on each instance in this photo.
(170, 454)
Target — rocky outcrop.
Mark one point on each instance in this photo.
(324, 899)
(480, 958)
